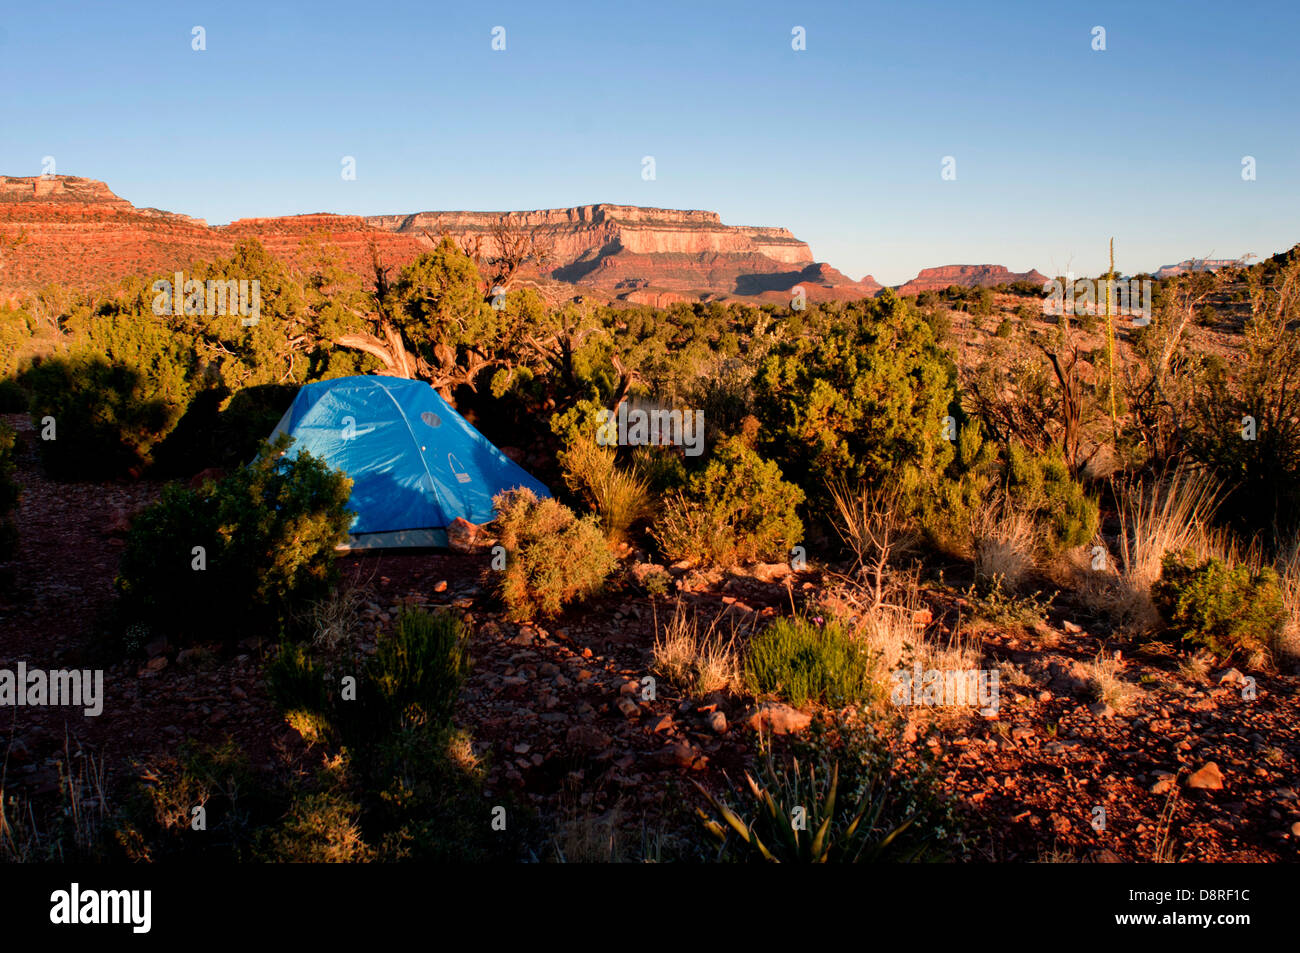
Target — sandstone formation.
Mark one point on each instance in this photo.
(1195, 264)
(967, 276)
(75, 231)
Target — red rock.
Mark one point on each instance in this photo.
(778, 718)
(967, 276)
(461, 535)
(78, 233)
(681, 755)
(1207, 778)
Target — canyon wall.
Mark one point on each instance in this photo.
(967, 276)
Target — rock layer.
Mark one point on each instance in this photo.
(77, 232)
(967, 276)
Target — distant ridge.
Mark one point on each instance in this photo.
(77, 232)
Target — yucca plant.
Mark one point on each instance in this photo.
(796, 819)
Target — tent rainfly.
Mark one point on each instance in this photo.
(416, 465)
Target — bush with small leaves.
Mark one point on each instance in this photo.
(1229, 610)
(738, 509)
(860, 398)
(553, 558)
(113, 397)
(236, 557)
(1040, 484)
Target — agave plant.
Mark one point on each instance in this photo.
(797, 820)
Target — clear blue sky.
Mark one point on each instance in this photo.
(1057, 147)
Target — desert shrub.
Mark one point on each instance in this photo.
(1247, 415)
(13, 397)
(619, 497)
(321, 827)
(1005, 328)
(155, 822)
(429, 803)
(412, 679)
(106, 421)
(738, 509)
(947, 507)
(297, 682)
(9, 491)
(414, 780)
(861, 399)
(267, 534)
(418, 669)
(553, 558)
(1040, 484)
(802, 661)
(661, 467)
(114, 396)
(1228, 610)
(221, 429)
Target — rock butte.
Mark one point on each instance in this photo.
(77, 232)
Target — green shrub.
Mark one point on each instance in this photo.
(1229, 610)
(267, 534)
(861, 399)
(737, 510)
(114, 397)
(9, 491)
(321, 828)
(430, 804)
(417, 780)
(419, 668)
(1041, 484)
(802, 661)
(552, 557)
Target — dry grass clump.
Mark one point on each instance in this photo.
(1004, 540)
(698, 659)
(894, 632)
(1012, 674)
(1195, 666)
(620, 498)
(1171, 515)
(83, 810)
(1286, 647)
(335, 618)
(871, 523)
(1105, 684)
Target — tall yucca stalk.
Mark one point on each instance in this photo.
(1110, 343)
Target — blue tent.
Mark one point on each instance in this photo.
(415, 463)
